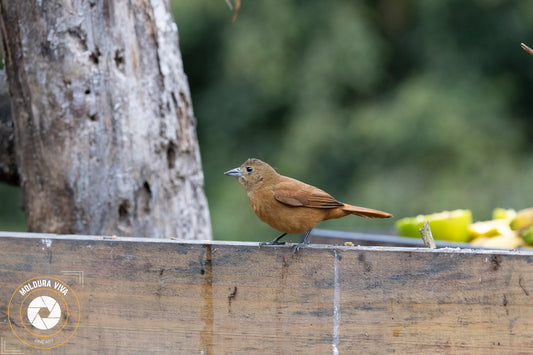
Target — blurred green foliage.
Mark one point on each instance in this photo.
(11, 216)
(404, 106)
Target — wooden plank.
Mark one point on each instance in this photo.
(141, 296)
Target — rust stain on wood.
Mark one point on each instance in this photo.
(207, 313)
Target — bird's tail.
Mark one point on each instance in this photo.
(365, 212)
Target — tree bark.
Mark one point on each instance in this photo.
(105, 135)
(8, 164)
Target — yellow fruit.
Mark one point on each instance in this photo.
(501, 241)
(502, 213)
(485, 228)
(523, 219)
(447, 225)
(490, 228)
(479, 241)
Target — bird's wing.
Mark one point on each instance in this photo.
(296, 193)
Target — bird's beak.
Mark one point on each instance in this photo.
(233, 172)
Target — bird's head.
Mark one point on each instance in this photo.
(253, 173)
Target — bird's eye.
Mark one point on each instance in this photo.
(249, 169)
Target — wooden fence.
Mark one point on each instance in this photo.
(140, 296)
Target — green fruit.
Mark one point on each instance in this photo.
(409, 227)
(447, 225)
(527, 235)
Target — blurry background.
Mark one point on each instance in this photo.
(403, 106)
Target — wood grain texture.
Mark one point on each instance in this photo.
(162, 296)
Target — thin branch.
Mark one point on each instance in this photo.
(236, 11)
(235, 8)
(427, 236)
(526, 48)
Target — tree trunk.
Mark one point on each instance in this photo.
(105, 135)
(8, 164)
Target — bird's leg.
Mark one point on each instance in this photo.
(304, 242)
(275, 241)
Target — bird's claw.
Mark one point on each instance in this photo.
(296, 248)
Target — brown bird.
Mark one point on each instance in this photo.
(289, 205)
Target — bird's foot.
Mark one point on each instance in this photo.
(304, 242)
(296, 248)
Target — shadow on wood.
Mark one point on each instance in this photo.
(163, 296)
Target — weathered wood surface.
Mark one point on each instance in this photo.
(143, 296)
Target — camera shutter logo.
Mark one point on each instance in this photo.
(44, 312)
(35, 307)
